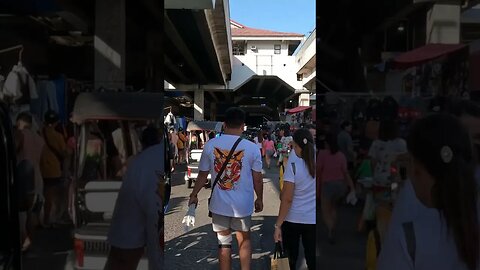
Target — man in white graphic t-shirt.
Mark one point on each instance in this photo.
(232, 203)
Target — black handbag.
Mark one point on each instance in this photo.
(223, 169)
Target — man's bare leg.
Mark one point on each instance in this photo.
(245, 249)
(225, 253)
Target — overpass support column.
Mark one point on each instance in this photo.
(199, 105)
(443, 24)
(213, 111)
(109, 43)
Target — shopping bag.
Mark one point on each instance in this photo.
(373, 250)
(279, 260)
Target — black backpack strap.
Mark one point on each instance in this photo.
(225, 165)
(294, 169)
(409, 232)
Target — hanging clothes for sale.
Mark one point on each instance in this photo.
(170, 119)
(47, 100)
(61, 86)
(19, 87)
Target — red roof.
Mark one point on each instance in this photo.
(245, 31)
(424, 54)
(298, 109)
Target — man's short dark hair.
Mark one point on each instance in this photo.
(25, 117)
(234, 117)
(150, 137)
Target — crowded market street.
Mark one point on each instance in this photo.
(196, 249)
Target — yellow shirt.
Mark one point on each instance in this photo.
(50, 165)
(181, 141)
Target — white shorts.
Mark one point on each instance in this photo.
(223, 223)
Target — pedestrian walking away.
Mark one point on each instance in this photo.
(297, 213)
(335, 179)
(384, 153)
(268, 148)
(30, 148)
(53, 171)
(236, 166)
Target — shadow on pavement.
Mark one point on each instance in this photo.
(348, 252)
(176, 204)
(49, 249)
(197, 249)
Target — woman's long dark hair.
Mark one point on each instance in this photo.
(455, 191)
(308, 151)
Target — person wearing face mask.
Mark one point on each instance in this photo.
(435, 222)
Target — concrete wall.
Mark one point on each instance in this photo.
(443, 24)
(266, 47)
(259, 64)
(306, 51)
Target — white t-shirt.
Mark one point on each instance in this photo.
(259, 144)
(233, 196)
(435, 246)
(303, 207)
(138, 217)
(385, 152)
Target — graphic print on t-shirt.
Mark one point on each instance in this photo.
(231, 174)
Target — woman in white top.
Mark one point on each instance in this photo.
(296, 217)
(445, 235)
(259, 141)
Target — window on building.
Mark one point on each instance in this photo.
(277, 48)
(238, 48)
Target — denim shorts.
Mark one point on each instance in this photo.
(334, 190)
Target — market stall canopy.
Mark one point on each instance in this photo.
(118, 106)
(205, 125)
(298, 109)
(424, 54)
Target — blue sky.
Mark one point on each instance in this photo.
(296, 16)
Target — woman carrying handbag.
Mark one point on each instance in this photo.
(296, 218)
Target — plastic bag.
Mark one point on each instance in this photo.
(279, 260)
(352, 198)
(189, 218)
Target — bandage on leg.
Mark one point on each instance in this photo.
(224, 241)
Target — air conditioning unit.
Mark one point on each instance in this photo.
(253, 48)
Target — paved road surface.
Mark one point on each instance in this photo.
(197, 249)
(50, 250)
(348, 253)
